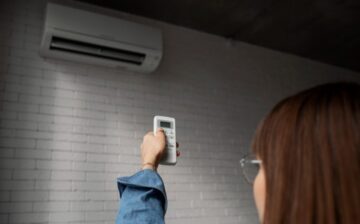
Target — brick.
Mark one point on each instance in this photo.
(33, 134)
(57, 92)
(189, 212)
(4, 196)
(73, 156)
(5, 174)
(104, 140)
(17, 143)
(67, 102)
(54, 127)
(72, 67)
(89, 130)
(32, 154)
(19, 88)
(183, 187)
(87, 147)
(67, 175)
(55, 110)
(213, 212)
(176, 204)
(124, 148)
(53, 165)
(36, 63)
(89, 114)
(101, 196)
(15, 124)
(6, 153)
(13, 207)
(53, 145)
(71, 137)
(87, 96)
(35, 117)
(88, 186)
(29, 196)
(88, 166)
(34, 99)
(28, 218)
(51, 206)
(119, 167)
(66, 217)
(31, 175)
(17, 185)
(10, 97)
(10, 163)
(87, 206)
(20, 52)
(56, 75)
(92, 157)
(187, 195)
(8, 115)
(100, 176)
(53, 185)
(20, 107)
(66, 196)
(207, 203)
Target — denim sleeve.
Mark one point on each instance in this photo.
(143, 198)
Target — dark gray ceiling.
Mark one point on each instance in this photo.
(324, 30)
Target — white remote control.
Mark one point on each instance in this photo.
(168, 125)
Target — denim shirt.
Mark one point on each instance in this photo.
(143, 198)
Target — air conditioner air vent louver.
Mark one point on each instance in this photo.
(92, 50)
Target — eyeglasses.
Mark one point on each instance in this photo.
(250, 166)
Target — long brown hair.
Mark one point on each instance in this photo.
(309, 145)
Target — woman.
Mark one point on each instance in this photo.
(308, 148)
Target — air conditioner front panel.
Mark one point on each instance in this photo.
(102, 26)
(78, 35)
(84, 51)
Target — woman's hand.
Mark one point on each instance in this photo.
(152, 149)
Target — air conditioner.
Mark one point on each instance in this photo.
(87, 37)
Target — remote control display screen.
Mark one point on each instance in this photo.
(165, 124)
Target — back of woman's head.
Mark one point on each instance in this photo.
(309, 145)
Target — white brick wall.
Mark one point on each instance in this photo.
(68, 130)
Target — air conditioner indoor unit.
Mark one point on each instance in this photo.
(78, 35)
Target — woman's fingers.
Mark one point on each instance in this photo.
(160, 130)
(177, 151)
